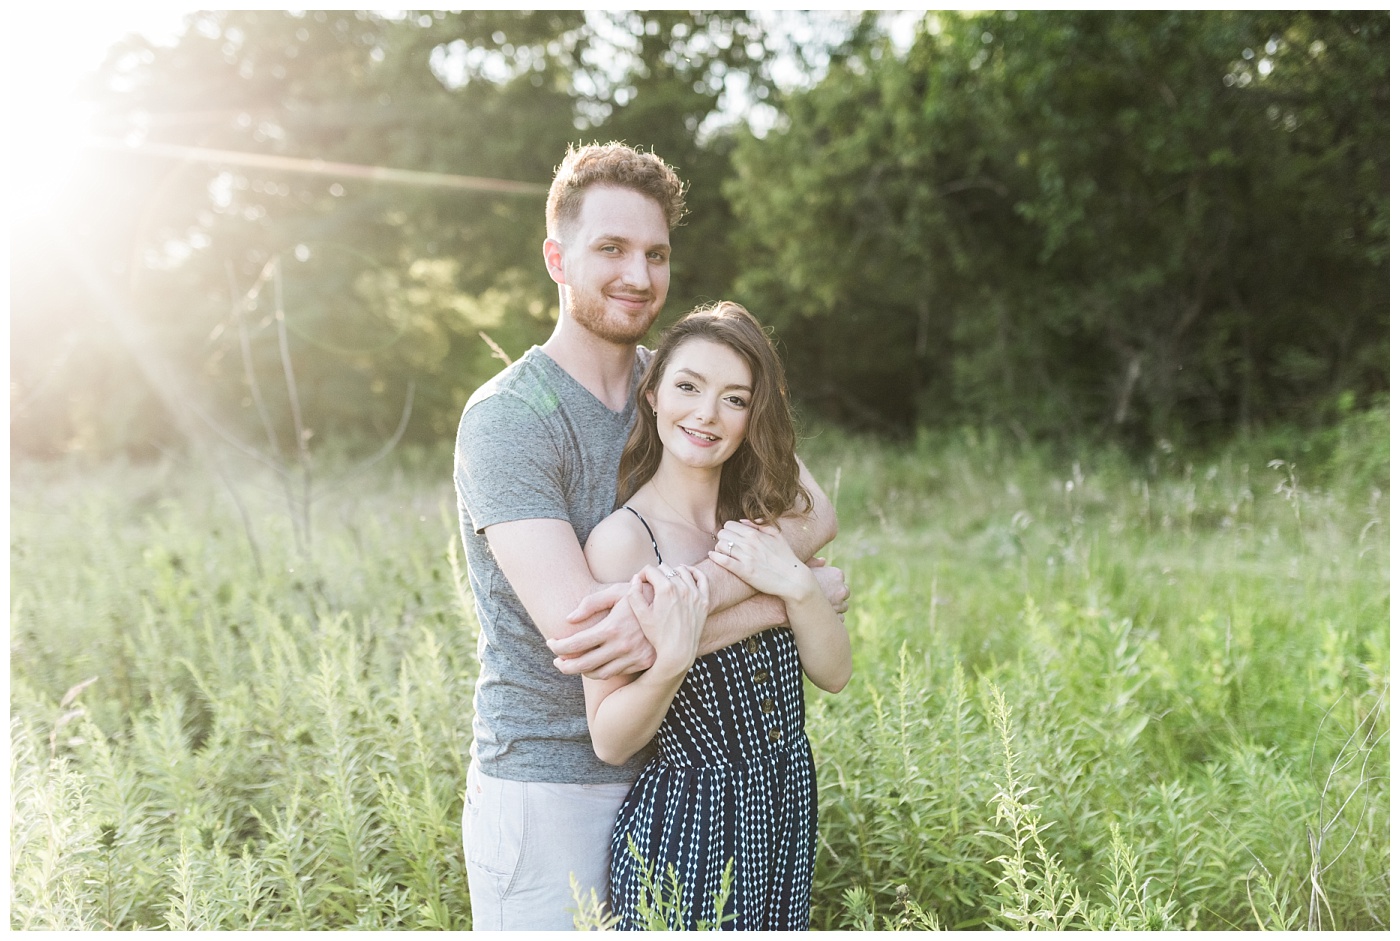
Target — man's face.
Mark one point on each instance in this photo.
(616, 264)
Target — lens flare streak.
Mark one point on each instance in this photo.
(318, 166)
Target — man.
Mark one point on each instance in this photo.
(536, 467)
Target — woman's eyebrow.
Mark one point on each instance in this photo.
(701, 377)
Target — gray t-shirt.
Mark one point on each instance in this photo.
(534, 444)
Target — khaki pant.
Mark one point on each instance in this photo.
(524, 838)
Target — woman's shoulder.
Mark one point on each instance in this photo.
(621, 526)
(619, 547)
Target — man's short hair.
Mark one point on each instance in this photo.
(611, 164)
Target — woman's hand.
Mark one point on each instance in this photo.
(674, 617)
(758, 553)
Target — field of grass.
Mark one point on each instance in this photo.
(1088, 693)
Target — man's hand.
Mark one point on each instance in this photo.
(833, 584)
(613, 646)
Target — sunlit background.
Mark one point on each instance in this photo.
(1135, 226)
(48, 58)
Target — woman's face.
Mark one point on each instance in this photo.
(702, 403)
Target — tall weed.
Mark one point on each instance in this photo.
(1090, 692)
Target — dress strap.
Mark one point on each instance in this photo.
(648, 529)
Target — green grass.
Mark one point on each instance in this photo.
(1089, 693)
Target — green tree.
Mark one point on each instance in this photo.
(1127, 223)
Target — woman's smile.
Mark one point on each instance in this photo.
(701, 438)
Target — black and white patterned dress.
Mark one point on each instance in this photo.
(732, 778)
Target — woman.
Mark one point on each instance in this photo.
(708, 466)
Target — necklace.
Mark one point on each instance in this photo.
(681, 516)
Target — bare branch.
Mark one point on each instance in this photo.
(382, 452)
(496, 351)
(303, 434)
(246, 347)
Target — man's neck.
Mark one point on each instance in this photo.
(603, 368)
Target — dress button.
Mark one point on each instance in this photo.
(774, 734)
(760, 676)
(751, 645)
(768, 706)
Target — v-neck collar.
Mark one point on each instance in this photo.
(569, 377)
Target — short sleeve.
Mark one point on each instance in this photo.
(508, 466)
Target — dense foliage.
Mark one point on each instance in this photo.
(1131, 225)
(1136, 224)
(1087, 694)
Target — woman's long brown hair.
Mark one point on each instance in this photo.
(760, 481)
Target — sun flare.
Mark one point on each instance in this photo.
(47, 122)
(46, 139)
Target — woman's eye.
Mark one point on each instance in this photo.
(685, 387)
(737, 402)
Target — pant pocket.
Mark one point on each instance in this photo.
(494, 826)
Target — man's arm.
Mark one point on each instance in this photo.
(736, 610)
(545, 565)
(543, 562)
(761, 612)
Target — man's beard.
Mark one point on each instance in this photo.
(592, 314)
